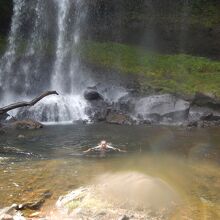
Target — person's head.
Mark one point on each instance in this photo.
(103, 144)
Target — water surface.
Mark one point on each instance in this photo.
(50, 159)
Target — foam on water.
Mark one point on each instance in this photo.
(63, 109)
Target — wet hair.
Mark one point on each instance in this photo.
(103, 142)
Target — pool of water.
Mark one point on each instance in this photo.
(50, 159)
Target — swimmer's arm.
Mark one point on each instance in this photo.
(123, 151)
(116, 149)
(91, 149)
(87, 151)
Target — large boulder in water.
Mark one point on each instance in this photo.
(203, 117)
(3, 117)
(127, 103)
(113, 196)
(92, 94)
(26, 124)
(161, 107)
(118, 118)
(206, 100)
(97, 110)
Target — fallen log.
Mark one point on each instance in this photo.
(5, 109)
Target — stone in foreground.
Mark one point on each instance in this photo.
(119, 196)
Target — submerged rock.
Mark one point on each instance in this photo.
(125, 217)
(119, 196)
(36, 202)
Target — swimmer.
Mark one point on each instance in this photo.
(103, 147)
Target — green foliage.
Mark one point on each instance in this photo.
(180, 73)
(206, 13)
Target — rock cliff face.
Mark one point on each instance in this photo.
(168, 26)
(163, 25)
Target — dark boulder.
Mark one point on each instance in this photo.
(97, 110)
(203, 124)
(119, 118)
(210, 117)
(26, 124)
(3, 117)
(207, 115)
(92, 94)
(206, 100)
(126, 103)
(203, 117)
(36, 202)
(125, 217)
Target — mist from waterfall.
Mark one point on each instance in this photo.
(41, 56)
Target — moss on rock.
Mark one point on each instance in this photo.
(180, 73)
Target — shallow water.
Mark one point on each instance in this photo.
(49, 159)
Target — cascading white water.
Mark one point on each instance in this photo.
(29, 66)
(33, 43)
(61, 48)
(10, 54)
(66, 72)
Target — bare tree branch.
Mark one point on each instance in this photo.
(24, 104)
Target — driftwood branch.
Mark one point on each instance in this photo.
(5, 109)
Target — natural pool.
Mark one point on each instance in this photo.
(49, 159)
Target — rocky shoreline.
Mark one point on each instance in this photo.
(202, 110)
(105, 200)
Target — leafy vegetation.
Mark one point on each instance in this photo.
(179, 73)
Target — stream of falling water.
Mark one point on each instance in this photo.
(41, 55)
(10, 54)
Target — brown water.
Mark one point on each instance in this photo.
(50, 159)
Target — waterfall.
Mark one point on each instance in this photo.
(41, 55)
(10, 54)
(61, 47)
